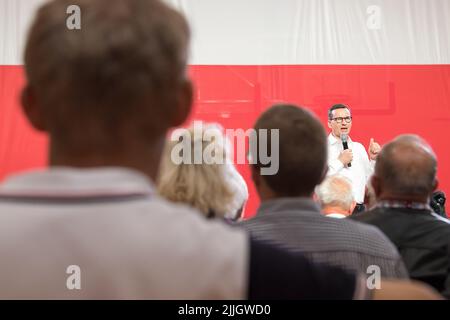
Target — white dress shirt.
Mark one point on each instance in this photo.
(128, 242)
(360, 171)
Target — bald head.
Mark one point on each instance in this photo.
(406, 167)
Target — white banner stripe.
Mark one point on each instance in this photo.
(288, 32)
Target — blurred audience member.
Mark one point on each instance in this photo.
(335, 196)
(404, 180)
(213, 186)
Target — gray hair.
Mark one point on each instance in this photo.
(335, 190)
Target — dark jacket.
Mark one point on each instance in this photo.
(421, 237)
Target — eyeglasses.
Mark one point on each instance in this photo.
(340, 119)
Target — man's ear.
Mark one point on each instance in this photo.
(435, 185)
(184, 104)
(32, 109)
(376, 185)
(329, 124)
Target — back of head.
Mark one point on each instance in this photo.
(302, 150)
(116, 74)
(407, 167)
(213, 186)
(335, 191)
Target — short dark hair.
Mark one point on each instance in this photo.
(335, 107)
(407, 166)
(119, 69)
(302, 149)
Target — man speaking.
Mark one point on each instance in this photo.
(347, 157)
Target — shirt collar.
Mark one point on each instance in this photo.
(336, 215)
(287, 204)
(74, 182)
(404, 204)
(333, 140)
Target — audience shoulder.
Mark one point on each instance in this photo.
(194, 225)
(224, 248)
(375, 236)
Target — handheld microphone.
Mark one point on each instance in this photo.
(344, 139)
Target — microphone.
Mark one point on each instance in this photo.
(344, 139)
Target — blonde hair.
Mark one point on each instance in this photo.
(216, 188)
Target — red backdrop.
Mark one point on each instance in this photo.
(386, 101)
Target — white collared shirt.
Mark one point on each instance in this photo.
(360, 171)
(128, 242)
